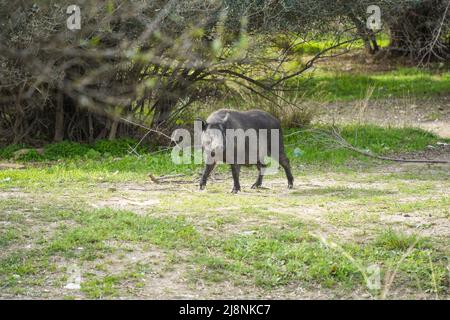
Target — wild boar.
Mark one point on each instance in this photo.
(243, 138)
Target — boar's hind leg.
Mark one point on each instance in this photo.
(284, 162)
(259, 180)
(205, 175)
(235, 168)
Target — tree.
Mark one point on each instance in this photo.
(421, 30)
(150, 61)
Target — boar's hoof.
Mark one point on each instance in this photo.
(290, 185)
(202, 187)
(235, 190)
(256, 186)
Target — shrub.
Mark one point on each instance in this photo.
(8, 151)
(68, 149)
(287, 106)
(65, 149)
(30, 155)
(119, 147)
(392, 240)
(93, 154)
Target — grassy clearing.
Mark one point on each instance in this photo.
(304, 147)
(371, 138)
(131, 238)
(267, 257)
(329, 86)
(272, 257)
(352, 76)
(325, 234)
(93, 208)
(315, 47)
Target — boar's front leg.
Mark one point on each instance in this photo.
(258, 182)
(205, 175)
(235, 168)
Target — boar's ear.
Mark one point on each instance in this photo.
(203, 123)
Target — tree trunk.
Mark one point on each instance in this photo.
(19, 119)
(367, 35)
(18, 128)
(113, 131)
(91, 128)
(375, 46)
(59, 118)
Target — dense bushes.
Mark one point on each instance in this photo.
(150, 61)
(69, 150)
(8, 151)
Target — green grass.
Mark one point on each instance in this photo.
(329, 84)
(94, 227)
(8, 151)
(304, 147)
(265, 239)
(270, 257)
(317, 46)
(97, 287)
(402, 83)
(101, 287)
(8, 237)
(314, 149)
(392, 240)
(86, 241)
(71, 150)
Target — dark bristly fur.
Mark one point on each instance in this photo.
(254, 119)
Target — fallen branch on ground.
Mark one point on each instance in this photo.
(345, 144)
(164, 178)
